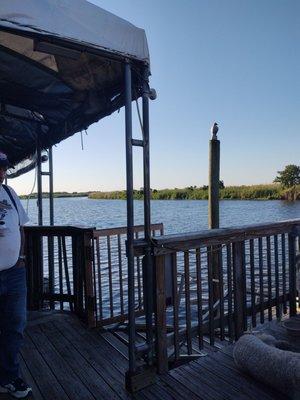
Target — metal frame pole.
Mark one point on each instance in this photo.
(39, 184)
(148, 269)
(51, 220)
(130, 217)
(51, 203)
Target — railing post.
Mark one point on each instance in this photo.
(77, 274)
(160, 315)
(35, 279)
(213, 210)
(292, 273)
(239, 288)
(89, 279)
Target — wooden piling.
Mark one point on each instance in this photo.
(213, 210)
(213, 184)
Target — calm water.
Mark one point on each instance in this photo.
(177, 215)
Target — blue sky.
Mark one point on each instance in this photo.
(231, 61)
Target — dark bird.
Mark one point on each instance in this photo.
(214, 130)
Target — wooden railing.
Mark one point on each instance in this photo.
(82, 270)
(110, 275)
(59, 269)
(219, 283)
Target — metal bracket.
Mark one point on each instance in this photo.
(137, 142)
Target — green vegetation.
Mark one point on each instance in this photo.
(289, 177)
(57, 195)
(255, 192)
(286, 187)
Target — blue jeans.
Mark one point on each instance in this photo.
(12, 320)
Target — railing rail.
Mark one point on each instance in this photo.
(110, 274)
(59, 269)
(219, 283)
(82, 270)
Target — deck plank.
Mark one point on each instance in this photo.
(26, 375)
(59, 366)
(39, 369)
(84, 371)
(92, 350)
(64, 360)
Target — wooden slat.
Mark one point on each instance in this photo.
(175, 305)
(99, 276)
(90, 301)
(238, 273)
(221, 293)
(210, 295)
(120, 274)
(269, 272)
(252, 280)
(138, 276)
(199, 297)
(110, 285)
(60, 271)
(261, 280)
(276, 266)
(51, 268)
(161, 331)
(230, 292)
(66, 269)
(292, 275)
(283, 271)
(123, 230)
(187, 301)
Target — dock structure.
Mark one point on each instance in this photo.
(62, 359)
(78, 305)
(138, 310)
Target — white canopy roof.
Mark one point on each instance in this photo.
(77, 21)
(62, 69)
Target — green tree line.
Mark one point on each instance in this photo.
(286, 186)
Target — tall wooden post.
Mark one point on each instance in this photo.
(213, 181)
(213, 206)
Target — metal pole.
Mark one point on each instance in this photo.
(130, 217)
(51, 220)
(148, 269)
(39, 185)
(51, 203)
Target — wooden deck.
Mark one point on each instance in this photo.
(62, 360)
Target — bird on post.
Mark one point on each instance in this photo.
(214, 130)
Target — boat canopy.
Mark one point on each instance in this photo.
(62, 69)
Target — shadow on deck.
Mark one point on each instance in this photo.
(63, 360)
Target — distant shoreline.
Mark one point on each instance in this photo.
(254, 192)
(56, 195)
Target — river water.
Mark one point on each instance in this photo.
(178, 216)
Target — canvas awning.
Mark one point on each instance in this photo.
(61, 69)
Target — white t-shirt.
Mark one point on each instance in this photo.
(10, 242)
